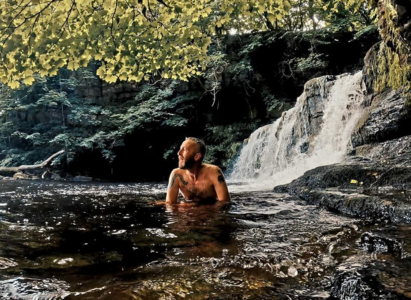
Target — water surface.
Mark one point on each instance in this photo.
(110, 241)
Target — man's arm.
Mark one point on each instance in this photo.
(173, 187)
(220, 186)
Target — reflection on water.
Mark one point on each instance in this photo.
(102, 241)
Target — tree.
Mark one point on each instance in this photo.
(145, 39)
(134, 39)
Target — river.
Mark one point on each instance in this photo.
(111, 241)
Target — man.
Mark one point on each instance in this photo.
(197, 181)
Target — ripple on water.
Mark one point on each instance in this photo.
(108, 241)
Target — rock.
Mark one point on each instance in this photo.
(356, 283)
(82, 178)
(375, 243)
(55, 177)
(386, 118)
(377, 187)
(377, 280)
(6, 263)
(350, 174)
(281, 188)
(392, 152)
(20, 175)
(33, 288)
(292, 271)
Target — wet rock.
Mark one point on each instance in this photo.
(281, 188)
(6, 263)
(358, 188)
(82, 178)
(377, 280)
(353, 174)
(375, 243)
(392, 152)
(22, 288)
(356, 279)
(384, 120)
(351, 285)
(292, 271)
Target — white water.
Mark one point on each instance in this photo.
(274, 155)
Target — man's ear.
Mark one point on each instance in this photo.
(197, 156)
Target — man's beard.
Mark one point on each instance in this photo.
(187, 163)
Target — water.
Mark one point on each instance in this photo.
(114, 241)
(108, 241)
(278, 153)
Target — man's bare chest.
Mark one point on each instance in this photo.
(197, 189)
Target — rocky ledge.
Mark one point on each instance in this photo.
(375, 186)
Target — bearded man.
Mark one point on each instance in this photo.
(196, 180)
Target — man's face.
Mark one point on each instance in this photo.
(186, 154)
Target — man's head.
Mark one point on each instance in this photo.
(192, 151)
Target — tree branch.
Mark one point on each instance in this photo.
(8, 170)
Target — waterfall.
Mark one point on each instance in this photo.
(316, 132)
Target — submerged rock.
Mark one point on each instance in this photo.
(22, 288)
(379, 280)
(375, 243)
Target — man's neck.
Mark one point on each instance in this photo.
(194, 171)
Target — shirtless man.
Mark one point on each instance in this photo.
(196, 180)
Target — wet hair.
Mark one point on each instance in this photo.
(201, 144)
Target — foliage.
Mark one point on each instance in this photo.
(133, 39)
(226, 141)
(392, 67)
(143, 39)
(52, 116)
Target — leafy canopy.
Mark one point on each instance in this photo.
(133, 38)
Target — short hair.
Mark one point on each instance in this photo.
(201, 145)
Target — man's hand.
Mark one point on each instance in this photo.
(173, 187)
(220, 186)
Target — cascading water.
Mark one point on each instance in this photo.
(316, 132)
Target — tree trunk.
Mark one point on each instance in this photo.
(7, 171)
(311, 13)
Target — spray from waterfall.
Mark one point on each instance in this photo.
(316, 132)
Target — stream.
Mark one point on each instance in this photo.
(111, 241)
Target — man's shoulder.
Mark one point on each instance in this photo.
(211, 168)
(177, 171)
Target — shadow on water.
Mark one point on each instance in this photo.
(110, 241)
